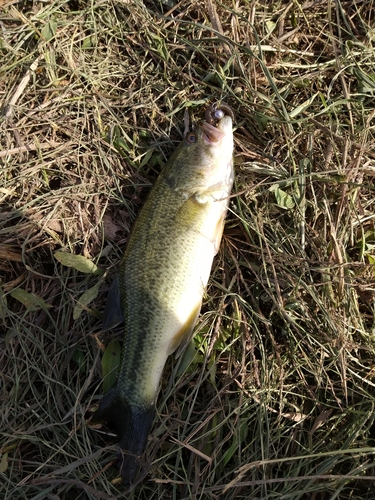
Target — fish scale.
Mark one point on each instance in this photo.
(163, 275)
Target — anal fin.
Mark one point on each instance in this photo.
(184, 335)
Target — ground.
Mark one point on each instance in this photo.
(275, 399)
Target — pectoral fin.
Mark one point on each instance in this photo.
(218, 234)
(113, 315)
(184, 335)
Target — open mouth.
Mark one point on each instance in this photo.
(211, 133)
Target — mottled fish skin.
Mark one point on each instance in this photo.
(163, 275)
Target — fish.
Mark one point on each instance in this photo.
(163, 275)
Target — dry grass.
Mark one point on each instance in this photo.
(278, 402)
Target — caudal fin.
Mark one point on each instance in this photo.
(133, 425)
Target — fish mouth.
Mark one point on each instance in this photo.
(211, 134)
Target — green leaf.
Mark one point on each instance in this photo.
(187, 358)
(161, 46)
(212, 369)
(147, 157)
(3, 303)
(85, 300)
(49, 30)
(302, 107)
(89, 42)
(270, 26)
(77, 262)
(294, 20)
(4, 462)
(29, 300)
(243, 431)
(283, 199)
(110, 364)
(79, 358)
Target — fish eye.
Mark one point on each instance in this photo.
(191, 138)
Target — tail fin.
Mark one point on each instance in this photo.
(133, 425)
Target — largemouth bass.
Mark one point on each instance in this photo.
(163, 275)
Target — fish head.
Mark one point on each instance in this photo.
(204, 160)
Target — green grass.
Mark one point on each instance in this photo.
(278, 402)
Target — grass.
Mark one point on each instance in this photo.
(278, 401)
